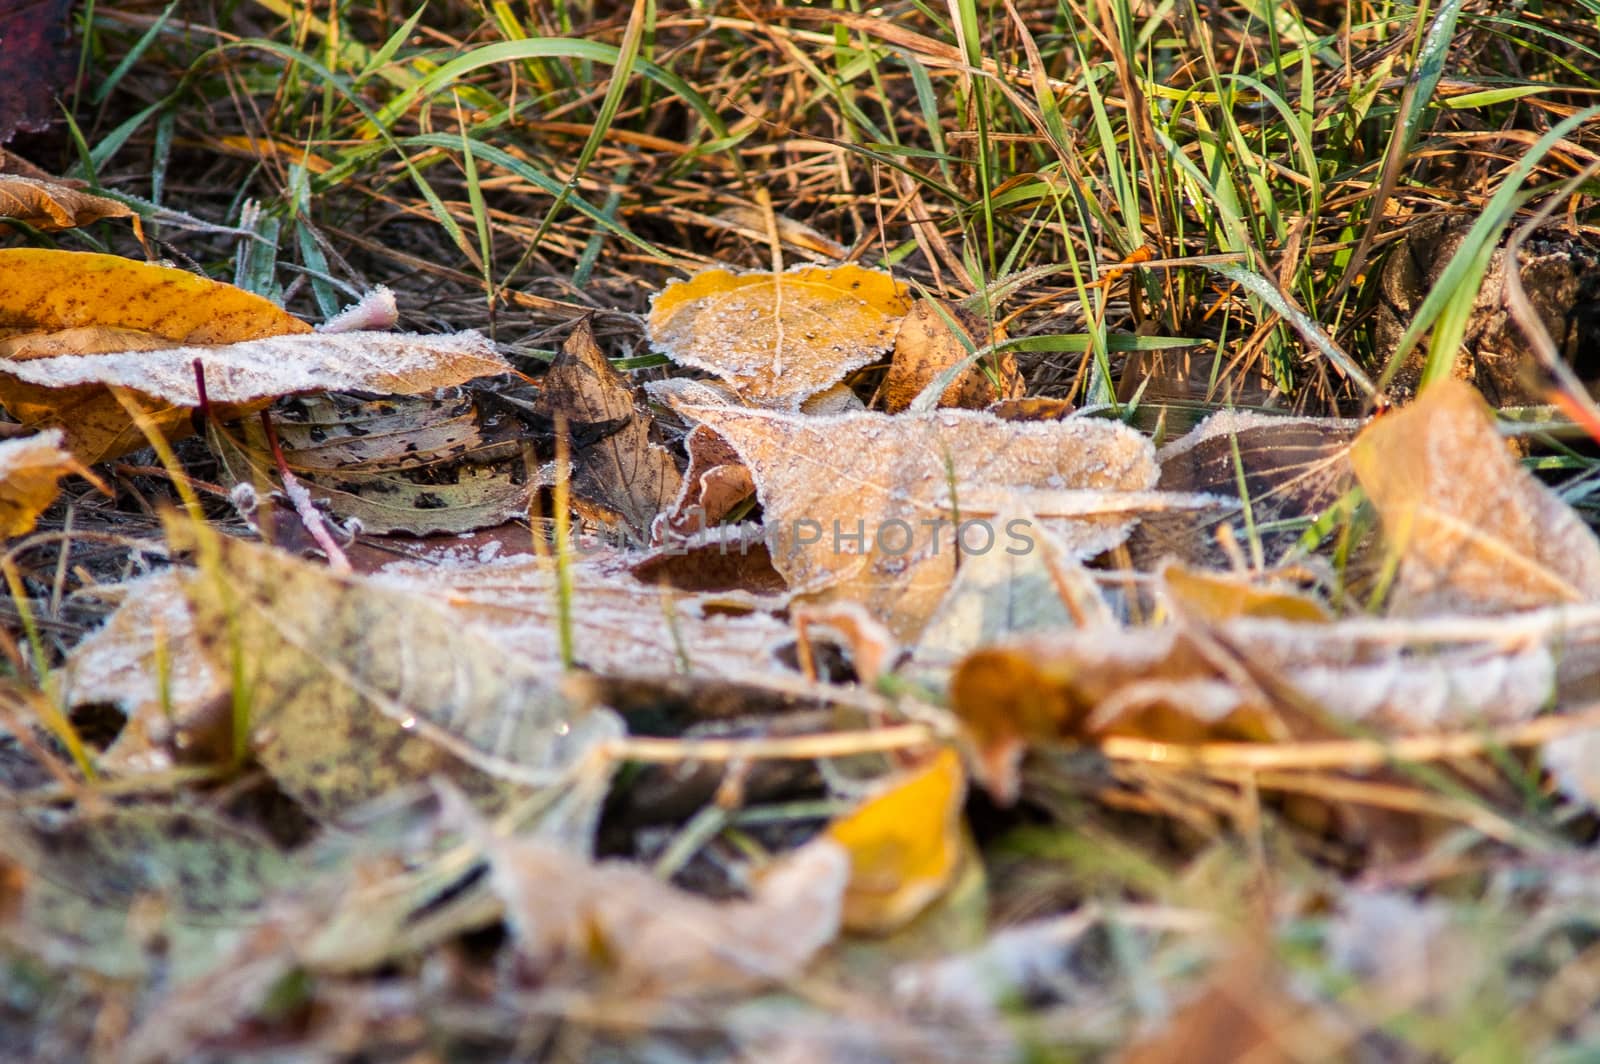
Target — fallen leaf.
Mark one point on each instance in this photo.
(933, 338)
(37, 55)
(1253, 679)
(86, 872)
(779, 339)
(616, 919)
(48, 206)
(354, 689)
(1199, 595)
(399, 464)
(714, 484)
(861, 507)
(239, 377)
(102, 303)
(1472, 531)
(1270, 474)
(625, 479)
(906, 845)
(30, 468)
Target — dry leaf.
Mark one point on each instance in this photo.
(238, 377)
(398, 464)
(714, 484)
(1255, 678)
(49, 206)
(625, 479)
(905, 845)
(39, 61)
(29, 470)
(206, 877)
(1198, 595)
(106, 303)
(652, 939)
(779, 339)
(1291, 469)
(861, 507)
(1473, 531)
(355, 689)
(928, 344)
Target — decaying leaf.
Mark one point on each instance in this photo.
(37, 55)
(862, 507)
(49, 206)
(355, 689)
(400, 464)
(906, 845)
(714, 484)
(200, 881)
(625, 479)
(1000, 594)
(1251, 679)
(650, 938)
(239, 377)
(1270, 474)
(29, 471)
(1472, 530)
(929, 343)
(779, 338)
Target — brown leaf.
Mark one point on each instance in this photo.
(399, 464)
(39, 63)
(779, 339)
(861, 507)
(571, 914)
(1473, 531)
(1292, 469)
(929, 344)
(713, 485)
(355, 688)
(49, 206)
(1253, 678)
(627, 478)
(29, 470)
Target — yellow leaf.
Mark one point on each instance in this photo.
(112, 304)
(779, 338)
(1208, 596)
(29, 470)
(905, 846)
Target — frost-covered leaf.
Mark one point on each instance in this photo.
(355, 688)
(1474, 532)
(933, 338)
(862, 507)
(49, 206)
(420, 465)
(1270, 475)
(779, 338)
(29, 471)
(1255, 679)
(624, 479)
(714, 484)
(569, 915)
(87, 871)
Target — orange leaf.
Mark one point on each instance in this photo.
(779, 338)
